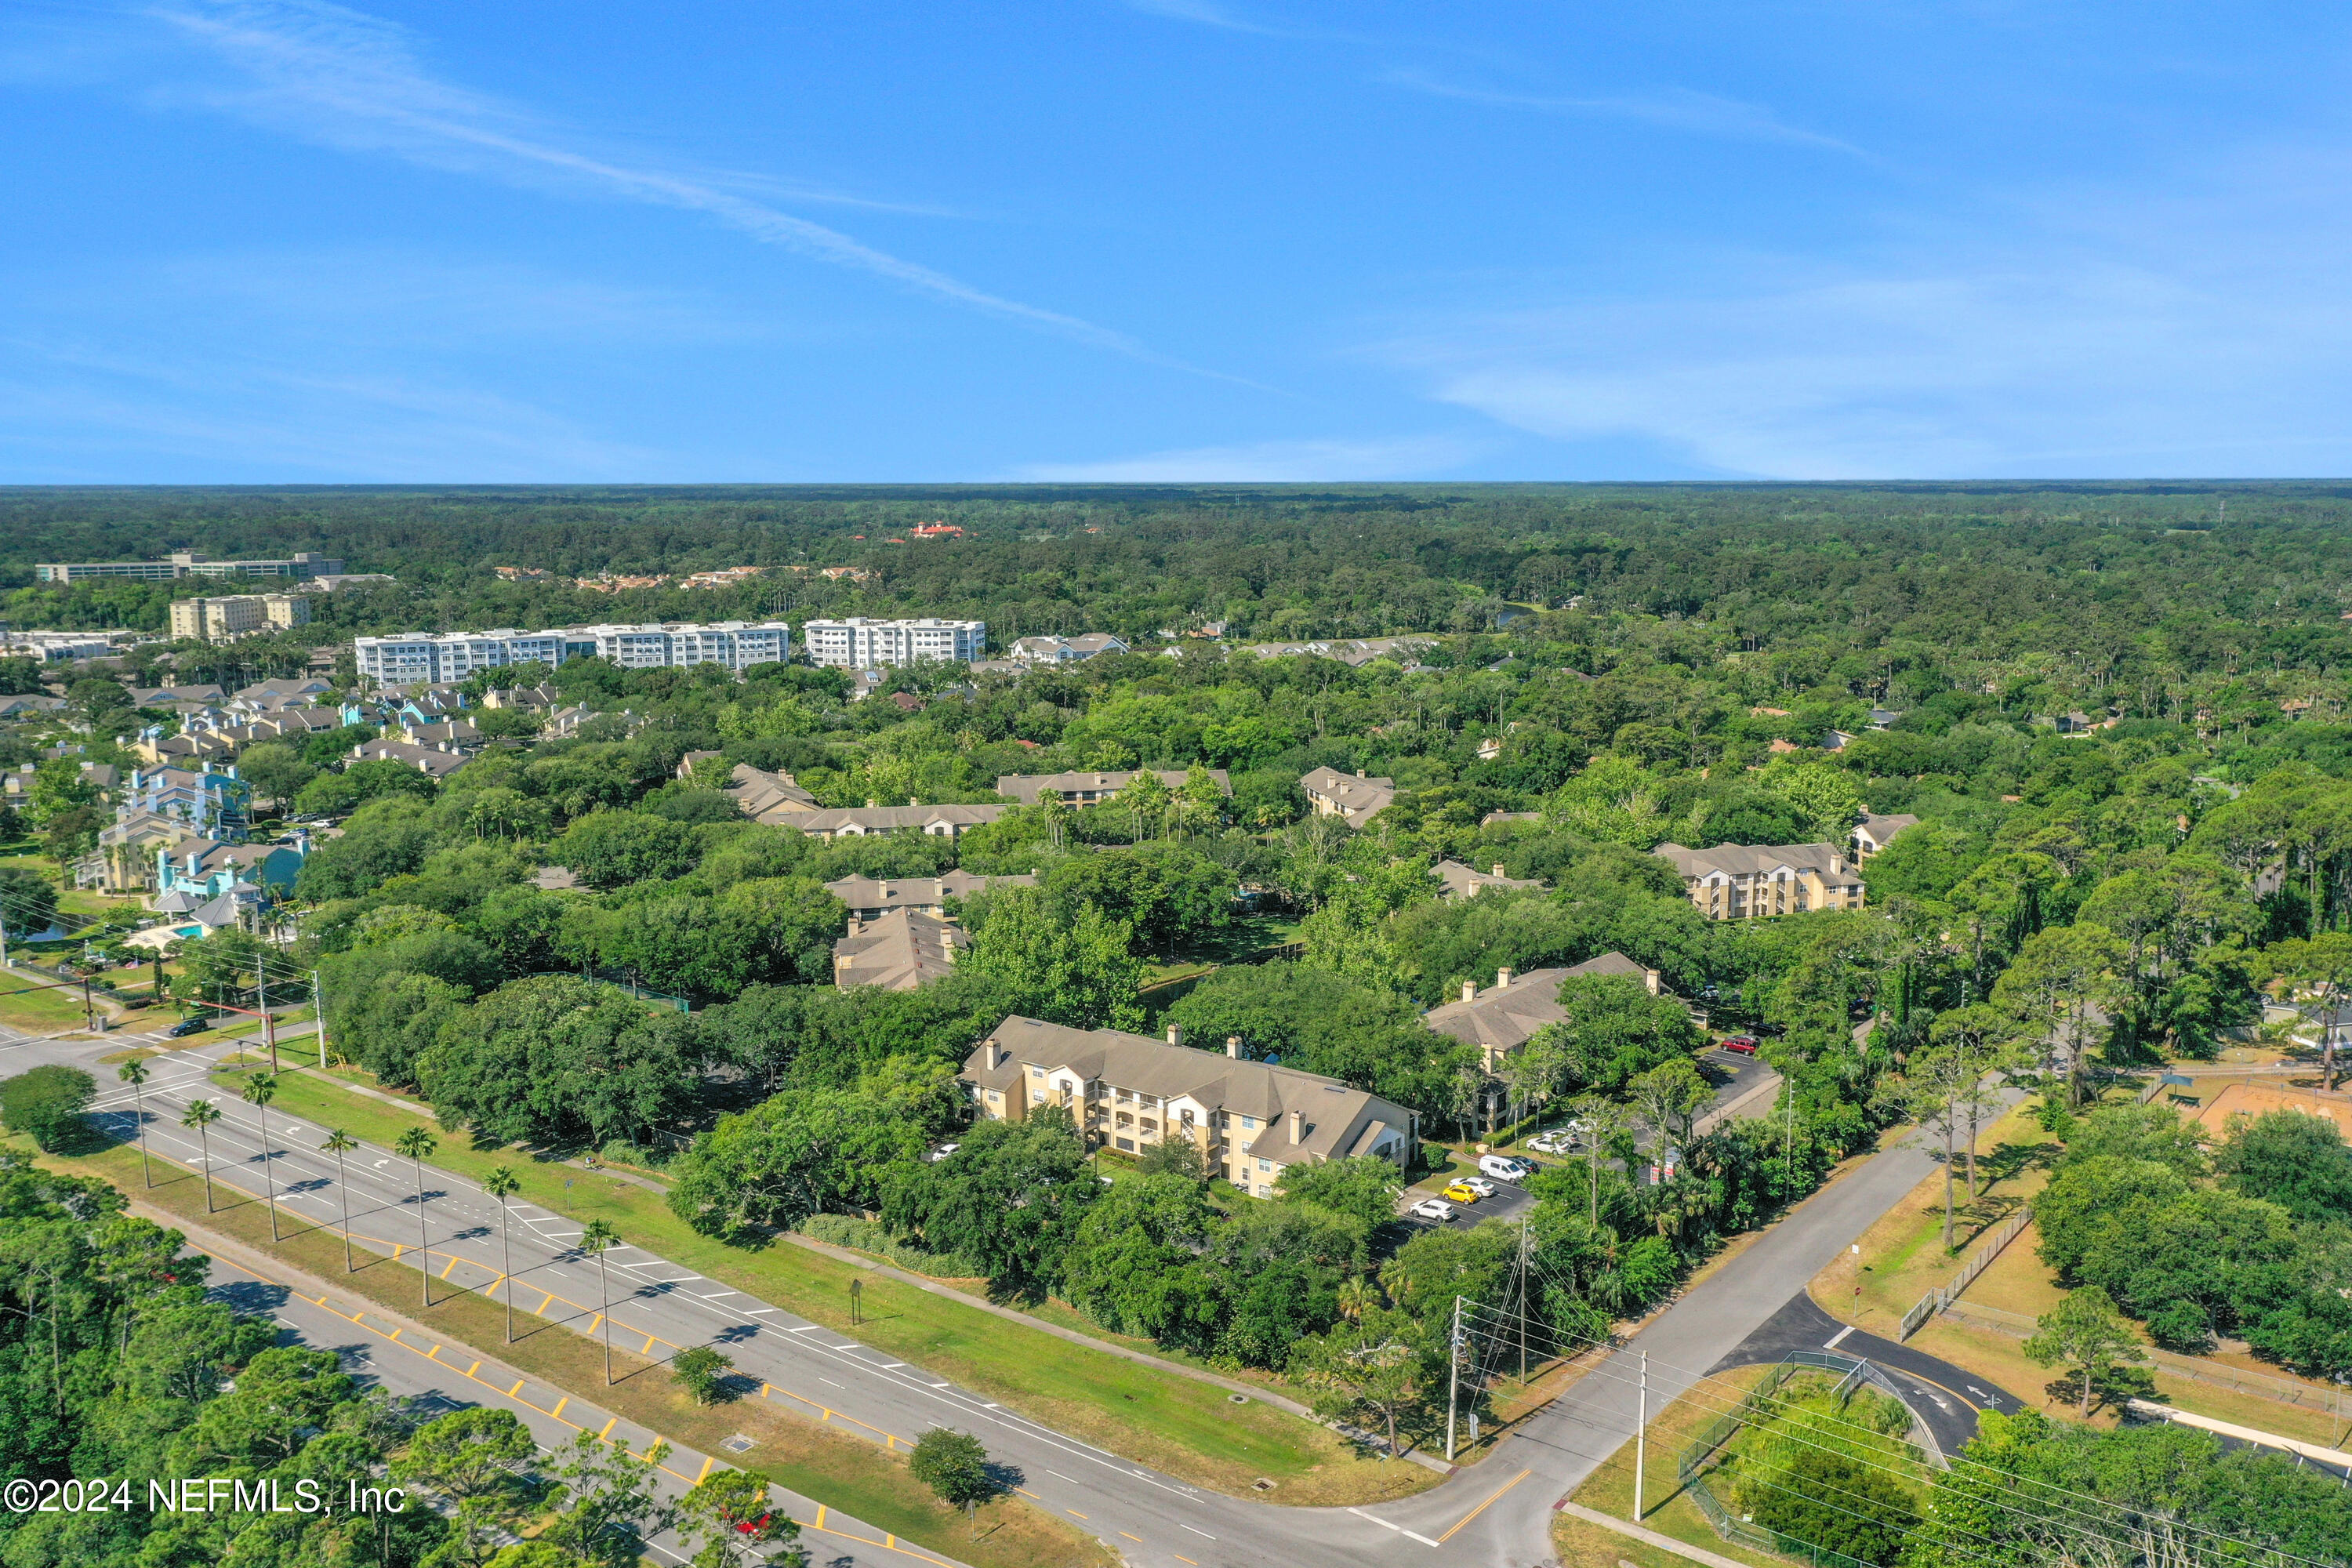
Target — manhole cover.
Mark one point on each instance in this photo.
(1260, 1485)
(1238, 1399)
(737, 1443)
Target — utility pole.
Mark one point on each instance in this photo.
(261, 1000)
(1453, 1376)
(1642, 1437)
(1523, 1300)
(319, 1011)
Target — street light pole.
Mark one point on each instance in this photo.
(1642, 1437)
(1453, 1376)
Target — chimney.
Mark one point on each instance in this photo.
(871, 802)
(1296, 1134)
(1175, 1033)
(1233, 1047)
(1502, 979)
(1469, 990)
(1651, 976)
(1359, 773)
(995, 1056)
(1498, 867)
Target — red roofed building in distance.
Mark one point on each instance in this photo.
(935, 530)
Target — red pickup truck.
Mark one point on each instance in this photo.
(1740, 1045)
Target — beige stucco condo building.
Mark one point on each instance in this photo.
(1733, 881)
(1251, 1120)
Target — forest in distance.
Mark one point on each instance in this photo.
(2116, 713)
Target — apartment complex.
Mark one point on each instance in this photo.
(234, 615)
(1500, 1018)
(1350, 796)
(861, 644)
(1735, 881)
(436, 657)
(902, 951)
(1873, 832)
(1065, 651)
(859, 822)
(871, 898)
(188, 564)
(1087, 789)
(1251, 1120)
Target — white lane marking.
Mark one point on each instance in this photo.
(721, 1293)
(1206, 1536)
(895, 1365)
(1060, 1477)
(804, 1329)
(830, 1383)
(1383, 1523)
(1834, 1338)
(1423, 1539)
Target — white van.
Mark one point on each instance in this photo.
(1502, 1168)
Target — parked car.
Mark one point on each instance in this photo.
(1559, 1140)
(195, 1026)
(1432, 1208)
(1479, 1184)
(942, 1151)
(1462, 1193)
(1741, 1045)
(1504, 1168)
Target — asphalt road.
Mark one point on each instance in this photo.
(1498, 1513)
(1945, 1397)
(405, 1358)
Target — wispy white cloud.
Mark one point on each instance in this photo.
(342, 78)
(1268, 462)
(1677, 109)
(2068, 359)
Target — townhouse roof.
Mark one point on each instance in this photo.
(1877, 829)
(767, 796)
(1492, 817)
(156, 696)
(883, 818)
(919, 892)
(1465, 881)
(1506, 1015)
(1354, 797)
(425, 759)
(902, 951)
(1027, 788)
(1336, 1120)
(1753, 859)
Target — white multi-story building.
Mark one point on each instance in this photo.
(453, 656)
(861, 644)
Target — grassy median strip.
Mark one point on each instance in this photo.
(1188, 1429)
(841, 1471)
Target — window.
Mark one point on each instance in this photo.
(1125, 1143)
(1038, 1097)
(1249, 1123)
(1263, 1166)
(1036, 1072)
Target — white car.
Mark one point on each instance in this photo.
(1559, 1140)
(1433, 1208)
(942, 1151)
(1479, 1184)
(1504, 1168)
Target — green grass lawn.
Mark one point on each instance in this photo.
(1189, 1428)
(25, 1003)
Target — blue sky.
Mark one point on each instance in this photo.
(1171, 239)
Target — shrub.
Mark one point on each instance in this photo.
(702, 1373)
(47, 1102)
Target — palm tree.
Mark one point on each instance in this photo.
(595, 1241)
(1357, 1297)
(200, 1115)
(258, 1091)
(134, 1073)
(339, 1143)
(503, 1183)
(416, 1143)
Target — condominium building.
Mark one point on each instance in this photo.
(1251, 1120)
(861, 644)
(234, 615)
(1353, 798)
(189, 564)
(1734, 881)
(453, 655)
(1087, 789)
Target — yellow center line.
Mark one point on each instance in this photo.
(1074, 1513)
(819, 1516)
(1137, 1539)
(1483, 1507)
(1182, 1558)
